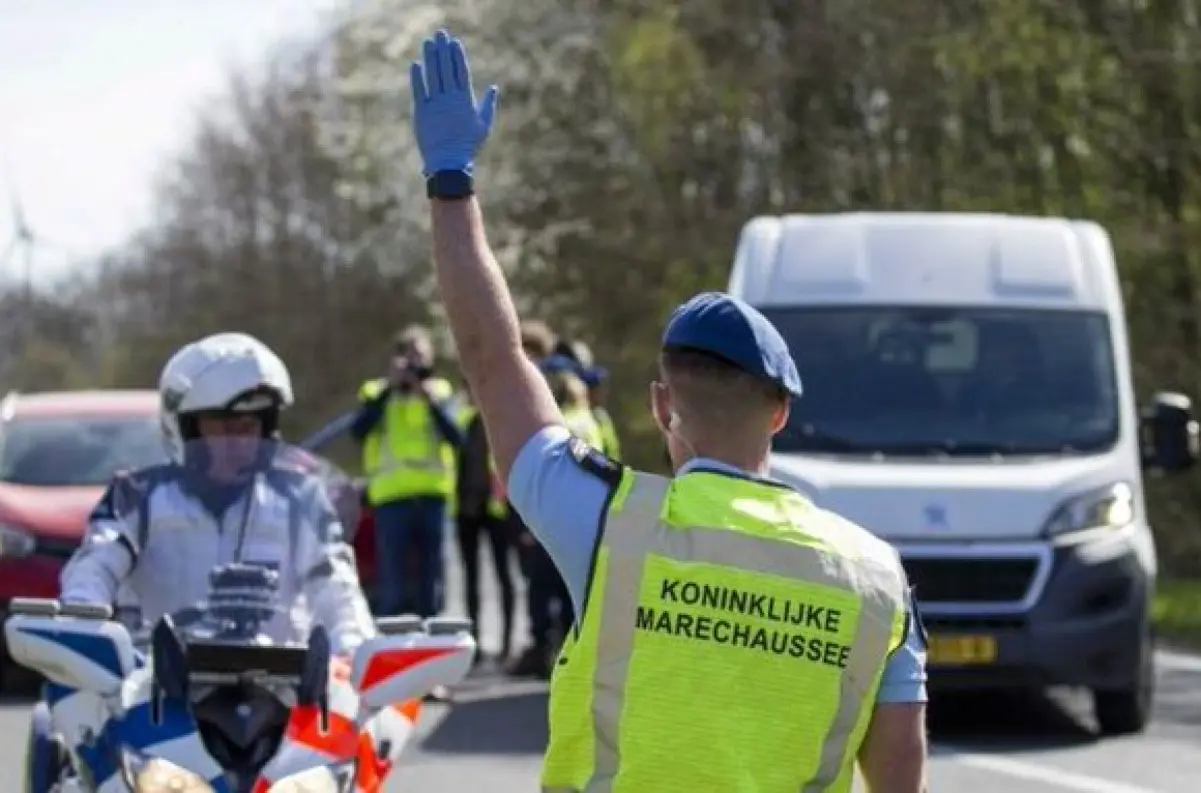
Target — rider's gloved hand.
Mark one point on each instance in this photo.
(449, 126)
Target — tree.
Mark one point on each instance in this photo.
(636, 138)
(52, 337)
(252, 235)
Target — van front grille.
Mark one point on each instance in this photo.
(970, 580)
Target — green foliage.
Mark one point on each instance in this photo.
(1177, 612)
(635, 139)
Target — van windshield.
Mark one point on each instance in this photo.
(912, 381)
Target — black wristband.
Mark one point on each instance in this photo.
(450, 185)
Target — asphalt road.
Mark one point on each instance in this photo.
(493, 736)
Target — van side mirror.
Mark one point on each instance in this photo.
(1169, 435)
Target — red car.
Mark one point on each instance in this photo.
(58, 451)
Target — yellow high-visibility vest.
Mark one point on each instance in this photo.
(733, 639)
(612, 444)
(582, 424)
(405, 455)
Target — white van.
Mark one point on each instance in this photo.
(968, 397)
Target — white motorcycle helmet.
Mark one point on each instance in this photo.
(225, 372)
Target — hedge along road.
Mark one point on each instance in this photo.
(493, 736)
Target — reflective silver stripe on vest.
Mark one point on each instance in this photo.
(636, 531)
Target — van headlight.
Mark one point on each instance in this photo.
(146, 774)
(325, 779)
(1111, 506)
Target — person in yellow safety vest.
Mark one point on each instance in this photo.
(571, 395)
(481, 509)
(733, 635)
(409, 440)
(548, 600)
(595, 377)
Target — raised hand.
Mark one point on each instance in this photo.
(449, 126)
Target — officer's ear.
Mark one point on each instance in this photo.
(779, 418)
(661, 406)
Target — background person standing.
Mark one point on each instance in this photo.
(482, 511)
(596, 378)
(409, 441)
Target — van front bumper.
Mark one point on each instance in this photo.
(1084, 623)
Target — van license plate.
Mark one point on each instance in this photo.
(962, 650)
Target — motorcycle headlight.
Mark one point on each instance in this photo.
(155, 775)
(1111, 506)
(326, 779)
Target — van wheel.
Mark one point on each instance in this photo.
(1128, 710)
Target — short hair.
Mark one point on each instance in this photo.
(537, 338)
(712, 391)
(568, 389)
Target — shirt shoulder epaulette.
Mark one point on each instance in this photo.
(595, 462)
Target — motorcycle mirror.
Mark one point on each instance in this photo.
(313, 690)
(398, 667)
(169, 667)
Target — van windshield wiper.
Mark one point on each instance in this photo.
(956, 448)
(950, 447)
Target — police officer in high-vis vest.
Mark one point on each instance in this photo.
(409, 438)
(732, 635)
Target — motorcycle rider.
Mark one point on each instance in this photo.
(159, 531)
(225, 389)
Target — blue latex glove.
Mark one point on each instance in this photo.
(450, 128)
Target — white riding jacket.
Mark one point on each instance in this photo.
(152, 538)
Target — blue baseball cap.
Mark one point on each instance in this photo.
(559, 363)
(726, 327)
(593, 376)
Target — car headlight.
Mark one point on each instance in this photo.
(326, 779)
(1111, 506)
(155, 775)
(15, 543)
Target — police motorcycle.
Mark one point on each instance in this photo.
(205, 701)
(218, 707)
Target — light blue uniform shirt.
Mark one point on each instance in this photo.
(563, 506)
